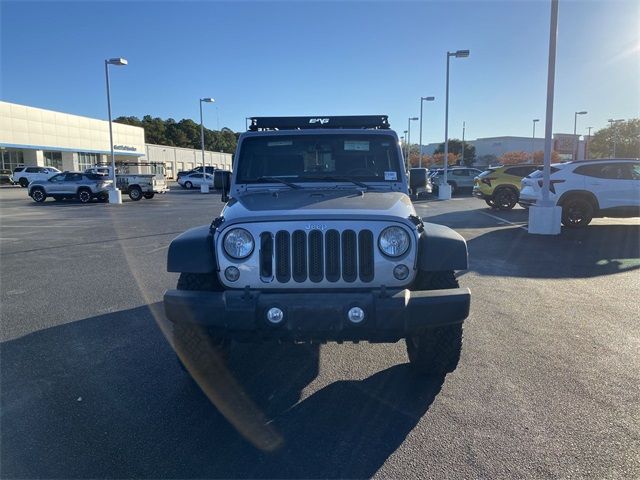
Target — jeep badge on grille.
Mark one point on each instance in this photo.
(316, 226)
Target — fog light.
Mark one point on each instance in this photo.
(232, 274)
(401, 272)
(275, 315)
(355, 314)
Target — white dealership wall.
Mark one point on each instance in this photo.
(30, 132)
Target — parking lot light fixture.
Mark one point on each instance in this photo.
(204, 186)
(422, 100)
(614, 132)
(575, 129)
(411, 119)
(444, 190)
(114, 194)
(533, 138)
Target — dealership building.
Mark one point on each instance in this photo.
(32, 136)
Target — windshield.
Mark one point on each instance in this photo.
(360, 157)
(489, 171)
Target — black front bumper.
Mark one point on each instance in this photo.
(320, 316)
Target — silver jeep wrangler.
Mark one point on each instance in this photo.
(319, 241)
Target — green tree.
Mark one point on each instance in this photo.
(455, 147)
(627, 139)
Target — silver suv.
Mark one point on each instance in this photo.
(82, 186)
(319, 242)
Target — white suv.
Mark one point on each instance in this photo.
(25, 175)
(588, 189)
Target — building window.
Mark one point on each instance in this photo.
(12, 159)
(87, 160)
(53, 159)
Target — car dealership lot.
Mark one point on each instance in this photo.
(90, 388)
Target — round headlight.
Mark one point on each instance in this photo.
(238, 243)
(393, 241)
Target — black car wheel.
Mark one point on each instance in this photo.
(23, 182)
(491, 202)
(84, 195)
(436, 351)
(505, 199)
(577, 212)
(188, 185)
(135, 193)
(38, 195)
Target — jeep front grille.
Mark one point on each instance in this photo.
(319, 256)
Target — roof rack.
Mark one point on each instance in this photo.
(304, 123)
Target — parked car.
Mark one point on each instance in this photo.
(317, 251)
(136, 185)
(419, 182)
(6, 177)
(499, 186)
(208, 169)
(459, 178)
(82, 186)
(588, 189)
(23, 176)
(194, 180)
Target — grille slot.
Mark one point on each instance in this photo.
(266, 255)
(316, 257)
(299, 255)
(283, 261)
(349, 256)
(365, 255)
(332, 255)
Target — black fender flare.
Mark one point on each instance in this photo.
(192, 252)
(580, 193)
(441, 248)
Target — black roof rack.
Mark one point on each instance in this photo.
(303, 123)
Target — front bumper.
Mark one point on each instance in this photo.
(319, 316)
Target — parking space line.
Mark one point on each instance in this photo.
(495, 217)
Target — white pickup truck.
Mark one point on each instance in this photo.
(137, 185)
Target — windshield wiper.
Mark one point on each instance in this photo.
(339, 179)
(277, 180)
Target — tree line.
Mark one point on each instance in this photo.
(185, 133)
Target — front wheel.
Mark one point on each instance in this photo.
(38, 195)
(188, 185)
(149, 195)
(23, 182)
(436, 351)
(84, 196)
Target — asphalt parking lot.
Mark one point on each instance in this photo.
(547, 385)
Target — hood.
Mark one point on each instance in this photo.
(318, 203)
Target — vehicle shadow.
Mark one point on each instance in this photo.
(104, 397)
(575, 253)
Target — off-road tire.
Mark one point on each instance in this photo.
(436, 351)
(84, 195)
(505, 198)
(201, 348)
(135, 193)
(577, 212)
(149, 195)
(38, 194)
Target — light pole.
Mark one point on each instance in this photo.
(586, 144)
(444, 190)
(462, 154)
(575, 125)
(614, 132)
(204, 186)
(422, 100)
(405, 144)
(411, 119)
(545, 216)
(533, 138)
(114, 194)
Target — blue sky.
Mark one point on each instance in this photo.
(300, 58)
